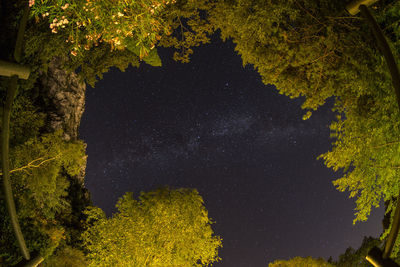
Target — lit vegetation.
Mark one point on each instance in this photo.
(162, 228)
(316, 50)
(307, 48)
(90, 37)
(301, 262)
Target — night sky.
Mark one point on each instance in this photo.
(213, 125)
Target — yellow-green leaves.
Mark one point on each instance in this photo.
(163, 227)
(88, 23)
(41, 187)
(314, 50)
(149, 56)
(301, 262)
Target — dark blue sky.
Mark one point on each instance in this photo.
(214, 126)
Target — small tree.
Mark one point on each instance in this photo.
(164, 227)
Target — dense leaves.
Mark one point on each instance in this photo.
(301, 262)
(190, 24)
(356, 257)
(90, 37)
(302, 47)
(315, 50)
(88, 23)
(39, 174)
(95, 35)
(307, 48)
(350, 258)
(40, 166)
(66, 257)
(162, 228)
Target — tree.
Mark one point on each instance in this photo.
(305, 48)
(41, 189)
(315, 50)
(162, 228)
(301, 262)
(40, 192)
(350, 258)
(356, 257)
(90, 37)
(93, 36)
(133, 25)
(309, 49)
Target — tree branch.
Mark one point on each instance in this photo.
(385, 167)
(309, 13)
(321, 57)
(33, 164)
(387, 144)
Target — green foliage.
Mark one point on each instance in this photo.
(88, 23)
(190, 24)
(42, 46)
(66, 257)
(98, 61)
(366, 138)
(315, 50)
(26, 120)
(302, 47)
(116, 33)
(356, 258)
(40, 235)
(91, 37)
(309, 49)
(350, 258)
(152, 59)
(40, 168)
(163, 227)
(41, 187)
(301, 262)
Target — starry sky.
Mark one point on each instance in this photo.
(213, 125)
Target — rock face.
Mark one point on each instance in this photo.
(63, 96)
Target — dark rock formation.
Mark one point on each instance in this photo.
(63, 96)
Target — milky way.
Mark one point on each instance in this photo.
(163, 149)
(212, 125)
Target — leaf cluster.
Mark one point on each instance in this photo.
(356, 257)
(190, 27)
(301, 262)
(114, 33)
(162, 228)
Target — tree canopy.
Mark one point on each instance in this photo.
(356, 257)
(315, 50)
(162, 228)
(40, 171)
(301, 262)
(93, 36)
(350, 258)
(307, 48)
(89, 37)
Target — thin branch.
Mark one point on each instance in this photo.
(387, 144)
(33, 164)
(183, 37)
(348, 17)
(309, 13)
(385, 167)
(321, 57)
